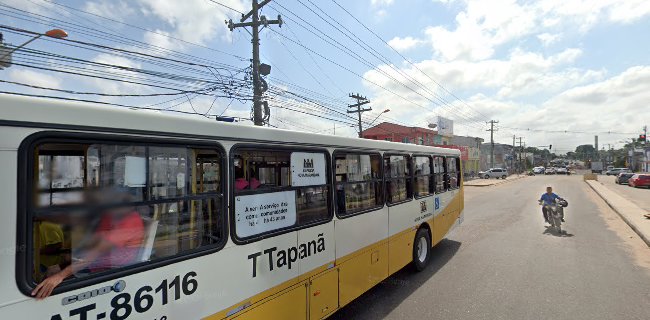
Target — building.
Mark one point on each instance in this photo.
(473, 144)
(469, 146)
(397, 133)
(502, 156)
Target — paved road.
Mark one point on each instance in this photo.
(639, 196)
(502, 263)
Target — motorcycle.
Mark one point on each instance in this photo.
(555, 213)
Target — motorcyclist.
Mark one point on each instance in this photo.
(549, 198)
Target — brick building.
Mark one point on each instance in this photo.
(469, 146)
(396, 133)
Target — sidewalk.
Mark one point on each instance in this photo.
(630, 212)
(491, 182)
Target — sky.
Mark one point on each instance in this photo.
(551, 71)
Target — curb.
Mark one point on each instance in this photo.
(631, 224)
(493, 184)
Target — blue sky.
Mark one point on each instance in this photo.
(574, 65)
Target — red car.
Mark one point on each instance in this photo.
(640, 180)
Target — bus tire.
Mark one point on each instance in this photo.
(421, 249)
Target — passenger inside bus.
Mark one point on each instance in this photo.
(115, 242)
(242, 182)
(53, 255)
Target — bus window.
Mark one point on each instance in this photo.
(423, 176)
(453, 169)
(102, 207)
(358, 182)
(398, 178)
(279, 190)
(439, 173)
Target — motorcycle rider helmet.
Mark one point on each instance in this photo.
(563, 203)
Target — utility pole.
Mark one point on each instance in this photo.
(520, 150)
(512, 155)
(492, 122)
(255, 23)
(360, 101)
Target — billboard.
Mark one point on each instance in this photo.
(445, 126)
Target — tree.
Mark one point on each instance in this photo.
(585, 151)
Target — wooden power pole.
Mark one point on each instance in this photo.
(255, 23)
(360, 102)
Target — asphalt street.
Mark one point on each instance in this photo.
(503, 263)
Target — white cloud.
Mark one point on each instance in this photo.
(381, 2)
(35, 78)
(161, 39)
(483, 26)
(116, 87)
(547, 39)
(193, 20)
(116, 10)
(519, 74)
(404, 44)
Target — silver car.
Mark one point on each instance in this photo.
(494, 173)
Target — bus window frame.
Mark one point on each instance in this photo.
(381, 181)
(458, 172)
(410, 176)
(231, 196)
(432, 176)
(444, 174)
(26, 207)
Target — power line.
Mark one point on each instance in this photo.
(569, 131)
(148, 30)
(383, 59)
(225, 6)
(405, 58)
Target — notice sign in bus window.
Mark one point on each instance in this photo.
(307, 169)
(259, 213)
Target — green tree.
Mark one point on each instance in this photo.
(585, 151)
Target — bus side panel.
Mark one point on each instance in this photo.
(404, 220)
(361, 252)
(284, 306)
(445, 215)
(321, 271)
(363, 272)
(8, 291)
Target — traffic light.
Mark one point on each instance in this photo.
(642, 138)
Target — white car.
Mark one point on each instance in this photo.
(616, 171)
(561, 170)
(493, 173)
(538, 170)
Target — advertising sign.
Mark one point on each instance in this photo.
(259, 213)
(445, 126)
(308, 169)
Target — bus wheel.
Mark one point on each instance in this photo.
(421, 249)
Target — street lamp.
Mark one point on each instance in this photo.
(54, 33)
(373, 121)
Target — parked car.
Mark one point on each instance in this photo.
(493, 173)
(639, 180)
(550, 170)
(538, 170)
(616, 171)
(623, 177)
(561, 170)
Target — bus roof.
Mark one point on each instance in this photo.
(74, 115)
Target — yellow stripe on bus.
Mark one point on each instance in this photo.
(348, 277)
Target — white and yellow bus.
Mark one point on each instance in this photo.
(126, 214)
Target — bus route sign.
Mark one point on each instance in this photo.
(259, 213)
